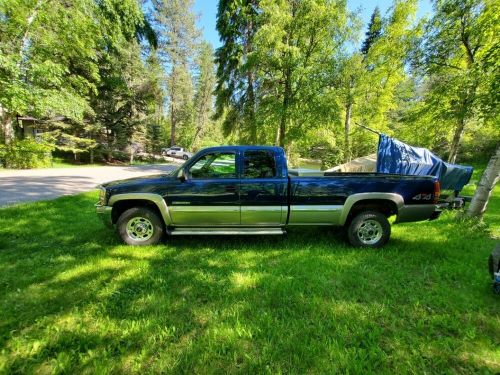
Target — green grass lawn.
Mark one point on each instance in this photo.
(73, 299)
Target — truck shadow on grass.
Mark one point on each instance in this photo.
(74, 299)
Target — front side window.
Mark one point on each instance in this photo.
(215, 165)
(259, 164)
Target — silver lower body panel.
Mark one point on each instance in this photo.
(225, 231)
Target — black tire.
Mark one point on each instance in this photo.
(140, 226)
(185, 157)
(369, 229)
(491, 267)
(496, 288)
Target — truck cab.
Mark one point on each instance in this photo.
(247, 190)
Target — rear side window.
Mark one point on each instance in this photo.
(259, 164)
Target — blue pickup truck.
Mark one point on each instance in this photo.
(249, 190)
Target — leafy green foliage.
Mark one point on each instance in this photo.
(26, 154)
(374, 30)
(460, 63)
(68, 60)
(203, 100)
(237, 23)
(178, 35)
(291, 73)
(295, 46)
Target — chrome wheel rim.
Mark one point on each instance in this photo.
(140, 229)
(369, 232)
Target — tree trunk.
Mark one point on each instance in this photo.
(7, 126)
(282, 128)
(173, 109)
(457, 137)
(109, 142)
(284, 112)
(347, 124)
(25, 38)
(251, 105)
(91, 156)
(248, 47)
(172, 125)
(489, 179)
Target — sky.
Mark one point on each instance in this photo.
(207, 12)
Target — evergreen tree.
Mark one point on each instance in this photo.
(175, 22)
(236, 70)
(374, 31)
(205, 84)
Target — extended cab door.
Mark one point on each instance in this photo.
(263, 190)
(209, 196)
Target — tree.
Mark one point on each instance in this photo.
(295, 46)
(489, 179)
(126, 99)
(352, 69)
(370, 79)
(178, 36)
(205, 84)
(374, 31)
(460, 45)
(236, 81)
(49, 71)
(73, 64)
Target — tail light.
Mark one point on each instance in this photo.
(437, 191)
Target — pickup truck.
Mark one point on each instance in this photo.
(248, 190)
(176, 152)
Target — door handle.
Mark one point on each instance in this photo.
(231, 189)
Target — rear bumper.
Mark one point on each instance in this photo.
(418, 213)
(104, 213)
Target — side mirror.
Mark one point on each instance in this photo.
(182, 175)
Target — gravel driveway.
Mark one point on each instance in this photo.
(41, 184)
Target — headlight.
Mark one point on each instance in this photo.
(102, 196)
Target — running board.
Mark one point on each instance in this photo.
(225, 231)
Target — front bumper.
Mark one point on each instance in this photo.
(418, 212)
(104, 213)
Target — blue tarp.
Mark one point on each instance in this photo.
(394, 156)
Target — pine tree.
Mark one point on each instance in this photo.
(205, 84)
(236, 81)
(178, 36)
(374, 31)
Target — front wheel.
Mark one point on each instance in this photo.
(140, 226)
(369, 229)
(185, 157)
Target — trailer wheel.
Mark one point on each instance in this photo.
(496, 288)
(369, 229)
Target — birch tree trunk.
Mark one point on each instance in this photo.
(7, 127)
(483, 191)
(455, 144)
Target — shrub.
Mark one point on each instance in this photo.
(26, 154)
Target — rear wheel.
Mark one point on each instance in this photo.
(369, 229)
(140, 226)
(185, 157)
